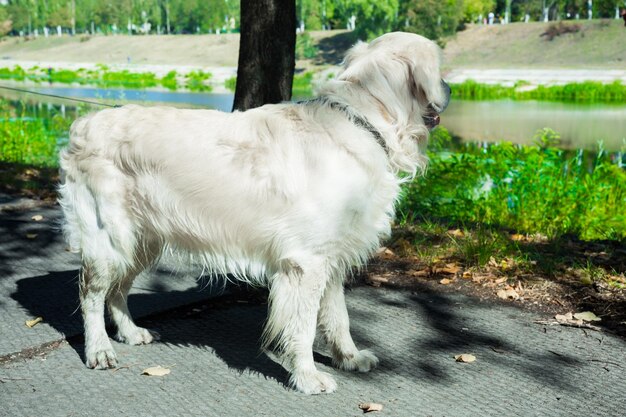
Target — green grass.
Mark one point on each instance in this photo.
(28, 141)
(526, 189)
(104, 77)
(588, 92)
(302, 84)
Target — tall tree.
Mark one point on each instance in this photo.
(266, 52)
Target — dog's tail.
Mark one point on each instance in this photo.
(73, 194)
(94, 197)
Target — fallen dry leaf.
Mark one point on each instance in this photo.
(37, 217)
(450, 269)
(517, 237)
(376, 280)
(385, 253)
(587, 316)
(34, 322)
(467, 274)
(508, 294)
(368, 407)
(31, 235)
(500, 280)
(564, 317)
(492, 262)
(420, 273)
(456, 233)
(156, 371)
(445, 281)
(465, 358)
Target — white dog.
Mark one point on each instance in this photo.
(289, 195)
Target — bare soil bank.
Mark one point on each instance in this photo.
(597, 44)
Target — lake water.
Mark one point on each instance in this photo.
(580, 125)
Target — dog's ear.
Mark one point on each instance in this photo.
(425, 82)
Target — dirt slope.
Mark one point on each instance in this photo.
(598, 44)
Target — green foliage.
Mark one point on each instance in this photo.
(431, 18)
(305, 48)
(473, 9)
(196, 81)
(589, 91)
(5, 23)
(529, 189)
(315, 14)
(373, 18)
(231, 83)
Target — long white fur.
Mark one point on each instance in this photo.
(290, 196)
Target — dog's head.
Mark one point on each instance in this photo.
(402, 71)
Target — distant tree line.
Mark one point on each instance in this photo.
(432, 18)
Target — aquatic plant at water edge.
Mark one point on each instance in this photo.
(589, 91)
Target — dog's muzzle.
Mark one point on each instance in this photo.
(432, 119)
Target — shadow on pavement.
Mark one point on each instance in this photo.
(454, 326)
(233, 333)
(23, 238)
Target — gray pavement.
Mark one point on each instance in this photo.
(211, 346)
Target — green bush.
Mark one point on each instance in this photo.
(529, 189)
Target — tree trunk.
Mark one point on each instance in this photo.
(266, 53)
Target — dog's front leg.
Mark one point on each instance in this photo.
(294, 299)
(335, 326)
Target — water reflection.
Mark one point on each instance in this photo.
(580, 125)
(222, 102)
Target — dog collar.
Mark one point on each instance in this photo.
(357, 120)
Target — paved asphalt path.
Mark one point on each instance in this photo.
(210, 343)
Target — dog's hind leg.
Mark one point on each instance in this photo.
(107, 277)
(93, 287)
(294, 300)
(335, 326)
(127, 330)
(100, 224)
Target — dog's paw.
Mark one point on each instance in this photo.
(362, 361)
(313, 382)
(137, 336)
(101, 359)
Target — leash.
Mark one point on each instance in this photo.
(19, 90)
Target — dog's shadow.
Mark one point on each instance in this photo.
(229, 328)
